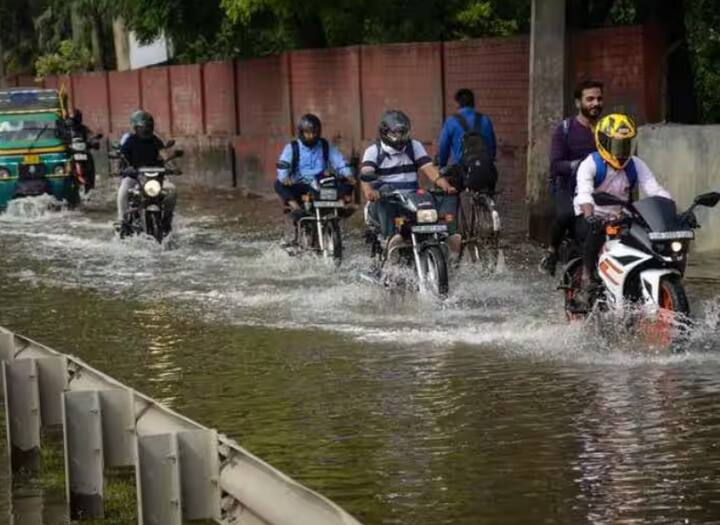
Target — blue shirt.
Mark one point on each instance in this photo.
(452, 133)
(311, 163)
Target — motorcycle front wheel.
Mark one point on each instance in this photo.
(153, 226)
(333, 241)
(435, 270)
(670, 323)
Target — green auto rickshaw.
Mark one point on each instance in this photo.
(34, 154)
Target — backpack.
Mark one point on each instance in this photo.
(382, 154)
(478, 169)
(295, 162)
(601, 171)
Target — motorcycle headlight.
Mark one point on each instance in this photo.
(79, 146)
(676, 246)
(4, 173)
(152, 188)
(425, 216)
(59, 170)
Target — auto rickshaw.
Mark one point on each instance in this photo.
(34, 154)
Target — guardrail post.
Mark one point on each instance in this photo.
(84, 465)
(7, 353)
(22, 412)
(52, 381)
(200, 473)
(158, 480)
(118, 427)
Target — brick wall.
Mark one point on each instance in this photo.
(497, 72)
(254, 104)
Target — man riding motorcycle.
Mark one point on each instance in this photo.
(572, 141)
(615, 170)
(395, 160)
(73, 127)
(302, 162)
(142, 148)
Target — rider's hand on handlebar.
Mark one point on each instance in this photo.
(370, 194)
(445, 185)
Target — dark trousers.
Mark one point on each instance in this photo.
(592, 239)
(564, 217)
(294, 192)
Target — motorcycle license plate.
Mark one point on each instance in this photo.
(328, 194)
(80, 156)
(31, 159)
(329, 204)
(430, 228)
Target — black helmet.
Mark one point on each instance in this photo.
(394, 129)
(142, 123)
(309, 123)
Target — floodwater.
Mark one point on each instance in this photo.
(486, 408)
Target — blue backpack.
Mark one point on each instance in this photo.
(601, 171)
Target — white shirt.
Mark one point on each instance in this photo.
(615, 183)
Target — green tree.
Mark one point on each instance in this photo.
(69, 58)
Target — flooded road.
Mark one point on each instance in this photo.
(487, 408)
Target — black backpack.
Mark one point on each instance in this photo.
(295, 163)
(478, 169)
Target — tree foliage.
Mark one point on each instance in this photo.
(69, 58)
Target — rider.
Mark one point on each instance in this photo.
(615, 170)
(572, 141)
(142, 148)
(73, 127)
(302, 161)
(395, 159)
(455, 129)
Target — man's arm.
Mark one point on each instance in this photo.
(445, 144)
(426, 168)
(284, 164)
(488, 132)
(369, 167)
(339, 164)
(647, 181)
(586, 186)
(560, 166)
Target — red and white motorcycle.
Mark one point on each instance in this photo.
(642, 263)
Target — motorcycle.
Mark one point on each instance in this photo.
(82, 162)
(642, 263)
(320, 230)
(146, 212)
(423, 246)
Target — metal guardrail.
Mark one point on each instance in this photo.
(183, 471)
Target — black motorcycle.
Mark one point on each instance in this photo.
(319, 230)
(83, 165)
(424, 240)
(146, 213)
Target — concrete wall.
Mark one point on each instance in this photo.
(686, 159)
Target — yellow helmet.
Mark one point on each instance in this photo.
(615, 139)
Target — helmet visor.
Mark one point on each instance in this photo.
(398, 137)
(621, 149)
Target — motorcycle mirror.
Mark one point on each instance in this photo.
(169, 144)
(605, 199)
(708, 200)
